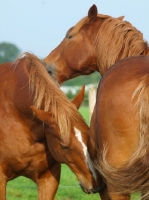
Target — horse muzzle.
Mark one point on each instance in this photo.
(92, 190)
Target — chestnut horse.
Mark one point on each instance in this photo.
(95, 43)
(33, 144)
(121, 122)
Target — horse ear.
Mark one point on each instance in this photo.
(42, 115)
(48, 118)
(121, 18)
(79, 97)
(92, 13)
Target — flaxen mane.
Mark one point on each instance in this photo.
(133, 175)
(115, 40)
(64, 111)
(81, 23)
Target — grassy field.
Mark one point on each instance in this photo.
(24, 189)
(85, 113)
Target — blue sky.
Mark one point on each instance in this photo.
(38, 26)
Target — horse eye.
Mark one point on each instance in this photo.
(50, 72)
(69, 36)
(64, 147)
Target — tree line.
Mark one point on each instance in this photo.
(8, 52)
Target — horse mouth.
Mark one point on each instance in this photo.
(93, 191)
(88, 191)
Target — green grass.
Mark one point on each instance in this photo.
(69, 188)
(24, 189)
(85, 113)
(21, 188)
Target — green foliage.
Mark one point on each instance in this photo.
(84, 80)
(8, 52)
(70, 94)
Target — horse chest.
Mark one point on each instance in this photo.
(19, 152)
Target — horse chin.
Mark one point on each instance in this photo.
(93, 191)
(85, 190)
(89, 191)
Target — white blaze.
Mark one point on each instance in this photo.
(79, 136)
(86, 154)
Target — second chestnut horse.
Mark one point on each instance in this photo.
(121, 128)
(95, 43)
(33, 144)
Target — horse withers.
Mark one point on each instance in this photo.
(121, 128)
(95, 43)
(35, 146)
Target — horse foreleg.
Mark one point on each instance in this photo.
(48, 183)
(119, 197)
(2, 191)
(2, 186)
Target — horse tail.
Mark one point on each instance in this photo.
(133, 175)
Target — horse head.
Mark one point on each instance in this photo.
(95, 43)
(65, 56)
(71, 149)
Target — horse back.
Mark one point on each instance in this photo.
(14, 83)
(118, 121)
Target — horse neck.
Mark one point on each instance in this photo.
(102, 68)
(116, 40)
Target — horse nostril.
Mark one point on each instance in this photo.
(84, 190)
(48, 67)
(93, 191)
(50, 72)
